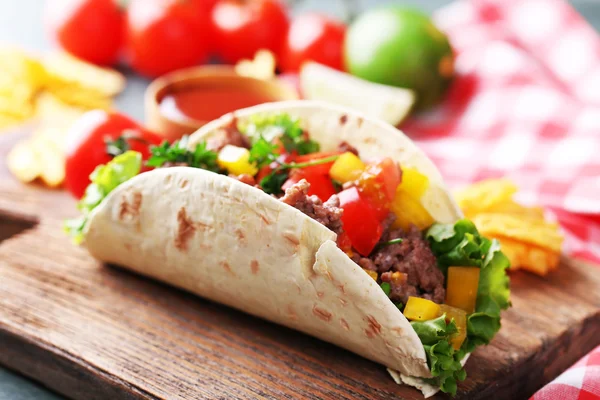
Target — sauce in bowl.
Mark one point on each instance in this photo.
(208, 103)
(180, 102)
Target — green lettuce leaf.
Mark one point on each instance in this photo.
(104, 180)
(461, 244)
(443, 360)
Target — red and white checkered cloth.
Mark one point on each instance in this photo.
(526, 104)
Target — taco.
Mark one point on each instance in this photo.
(313, 217)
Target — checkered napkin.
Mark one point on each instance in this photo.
(526, 104)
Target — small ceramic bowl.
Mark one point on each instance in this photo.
(197, 77)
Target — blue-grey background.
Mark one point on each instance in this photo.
(21, 24)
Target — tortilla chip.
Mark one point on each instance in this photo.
(483, 195)
(66, 70)
(528, 257)
(538, 233)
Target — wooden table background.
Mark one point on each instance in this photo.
(20, 24)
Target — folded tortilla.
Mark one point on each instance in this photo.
(234, 244)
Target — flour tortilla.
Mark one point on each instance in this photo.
(232, 243)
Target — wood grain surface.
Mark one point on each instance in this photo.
(91, 331)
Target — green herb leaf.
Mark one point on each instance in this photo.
(105, 179)
(338, 186)
(178, 152)
(120, 145)
(117, 146)
(282, 126)
(387, 288)
(272, 183)
(262, 152)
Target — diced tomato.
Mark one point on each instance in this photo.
(266, 170)
(371, 190)
(388, 175)
(320, 185)
(360, 221)
(344, 242)
(322, 169)
(379, 183)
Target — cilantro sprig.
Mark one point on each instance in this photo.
(268, 134)
(266, 128)
(120, 145)
(263, 152)
(178, 152)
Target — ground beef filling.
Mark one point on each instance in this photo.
(328, 213)
(412, 257)
(228, 135)
(347, 147)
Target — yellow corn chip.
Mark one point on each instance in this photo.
(513, 208)
(51, 111)
(52, 159)
(483, 195)
(20, 66)
(541, 234)
(23, 163)
(7, 121)
(64, 69)
(81, 97)
(531, 258)
(528, 240)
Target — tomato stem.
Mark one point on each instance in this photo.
(122, 4)
(351, 10)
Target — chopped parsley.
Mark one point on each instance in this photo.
(387, 288)
(120, 145)
(285, 128)
(263, 152)
(178, 152)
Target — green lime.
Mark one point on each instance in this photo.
(400, 47)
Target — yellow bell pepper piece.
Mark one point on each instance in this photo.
(418, 309)
(461, 288)
(414, 182)
(409, 211)
(460, 319)
(236, 160)
(346, 168)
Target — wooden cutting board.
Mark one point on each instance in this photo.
(90, 331)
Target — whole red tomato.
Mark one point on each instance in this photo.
(89, 29)
(86, 146)
(313, 37)
(165, 35)
(242, 28)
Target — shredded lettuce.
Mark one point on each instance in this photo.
(104, 180)
(461, 244)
